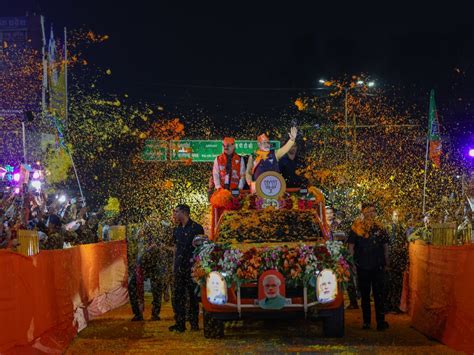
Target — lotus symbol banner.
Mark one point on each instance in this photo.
(270, 185)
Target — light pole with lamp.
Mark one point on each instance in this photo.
(28, 116)
(346, 89)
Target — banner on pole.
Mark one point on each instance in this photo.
(57, 89)
(435, 147)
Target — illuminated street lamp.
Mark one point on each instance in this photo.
(471, 152)
(346, 91)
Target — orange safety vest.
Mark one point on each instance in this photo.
(234, 177)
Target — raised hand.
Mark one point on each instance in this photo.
(293, 133)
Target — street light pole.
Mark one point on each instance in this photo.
(346, 90)
(346, 113)
(23, 131)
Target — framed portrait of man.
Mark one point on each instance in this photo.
(326, 286)
(271, 290)
(216, 288)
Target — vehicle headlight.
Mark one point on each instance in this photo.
(326, 286)
(216, 288)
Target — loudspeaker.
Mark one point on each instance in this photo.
(29, 116)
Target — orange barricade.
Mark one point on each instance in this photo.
(441, 293)
(47, 298)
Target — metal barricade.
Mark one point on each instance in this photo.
(445, 234)
(28, 242)
(118, 232)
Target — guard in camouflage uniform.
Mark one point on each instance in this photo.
(135, 281)
(154, 261)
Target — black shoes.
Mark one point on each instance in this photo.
(180, 329)
(382, 326)
(177, 329)
(353, 306)
(137, 318)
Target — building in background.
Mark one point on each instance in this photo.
(21, 80)
(21, 31)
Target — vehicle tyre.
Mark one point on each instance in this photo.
(333, 322)
(213, 328)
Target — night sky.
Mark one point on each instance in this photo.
(220, 56)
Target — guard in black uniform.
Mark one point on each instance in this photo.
(184, 286)
(369, 246)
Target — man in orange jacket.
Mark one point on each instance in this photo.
(229, 168)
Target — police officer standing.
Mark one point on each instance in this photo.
(184, 295)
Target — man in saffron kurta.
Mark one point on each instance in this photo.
(229, 168)
(266, 159)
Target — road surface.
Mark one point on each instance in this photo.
(114, 333)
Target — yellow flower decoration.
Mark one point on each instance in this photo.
(58, 165)
(113, 205)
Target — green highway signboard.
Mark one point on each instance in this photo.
(248, 147)
(207, 150)
(155, 150)
(195, 150)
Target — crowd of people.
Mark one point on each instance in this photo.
(60, 222)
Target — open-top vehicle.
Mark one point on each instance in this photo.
(269, 257)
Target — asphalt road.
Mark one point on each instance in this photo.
(114, 333)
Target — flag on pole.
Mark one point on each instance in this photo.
(435, 148)
(57, 89)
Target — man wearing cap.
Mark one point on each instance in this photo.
(266, 159)
(229, 168)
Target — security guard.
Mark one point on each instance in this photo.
(184, 295)
(368, 244)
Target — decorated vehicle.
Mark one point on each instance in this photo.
(269, 257)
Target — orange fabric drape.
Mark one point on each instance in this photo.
(441, 293)
(215, 216)
(47, 298)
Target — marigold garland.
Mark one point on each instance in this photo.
(362, 227)
(269, 225)
(297, 264)
(318, 195)
(221, 198)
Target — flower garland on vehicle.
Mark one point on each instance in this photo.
(249, 265)
(298, 265)
(223, 199)
(229, 263)
(206, 259)
(269, 225)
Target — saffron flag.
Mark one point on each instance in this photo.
(433, 133)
